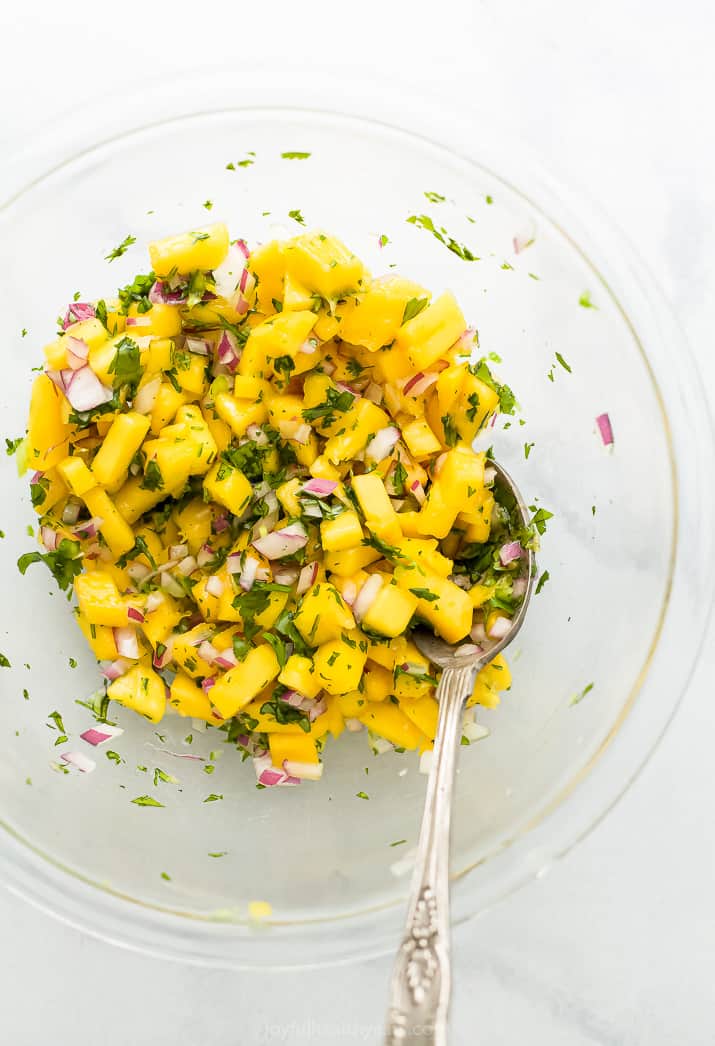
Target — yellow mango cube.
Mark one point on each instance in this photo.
(424, 712)
(298, 674)
(268, 266)
(341, 533)
(142, 690)
(166, 404)
(379, 684)
(189, 699)
(420, 439)
(240, 685)
(391, 610)
(324, 264)
(76, 475)
(118, 447)
(278, 337)
(229, 487)
(186, 653)
(99, 600)
(204, 248)
(427, 336)
(338, 664)
(239, 414)
(374, 319)
(348, 561)
(446, 606)
(47, 437)
(159, 623)
(100, 639)
(114, 528)
(292, 748)
(389, 721)
(323, 615)
(377, 508)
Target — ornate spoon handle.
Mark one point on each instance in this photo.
(419, 997)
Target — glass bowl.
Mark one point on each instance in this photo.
(622, 612)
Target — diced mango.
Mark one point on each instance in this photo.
(323, 615)
(76, 475)
(323, 264)
(239, 414)
(338, 664)
(430, 333)
(142, 690)
(229, 487)
(348, 561)
(299, 674)
(118, 447)
(204, 248)
(389, 721)
(293, 748)
(374, 319)
(240, 685)
(114, 528)
(189, 699)
(377, 508)
(391, 610)
(47, 438)
(446, 606)
(341, 533)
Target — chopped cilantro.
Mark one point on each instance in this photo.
(334, 400)
(279, 648)
(296, 216)
(361, 795)
(146, 800)
(213, 798)
(383, 240)
(528, 447)
(65, 563)
(579, 697)
(507, 399)
(562, 361)
(126, 365)
(413, 308)
(398, 842)
(113, 757)
(451, 435)
(207, 204)
(295, 156)
(153, 479)
(166, 877)
(11, 445)
(435, 197)
(424, 593)
(585, 301)
(542, 581)
(4, 663)
(123, 247)
(423, 221)
(540, 518)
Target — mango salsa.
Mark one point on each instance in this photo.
(255, 472)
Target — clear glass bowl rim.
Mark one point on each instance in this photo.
(583, 804)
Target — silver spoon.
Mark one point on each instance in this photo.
(421, 979)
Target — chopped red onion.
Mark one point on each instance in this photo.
(285, 575)
(135, 615)
(77, 352)
(233, 563)
(126, 642)
(373, 392)
(214, 586)
(519, 587)
(474, 731)
(220, 524)
(490, 474)
(306, 578)
(205, 555)
(49, 538)
(153, 601)
(304, 771)
(138, 321)
(206, 684)
(146, 397)
(328, 367)
(82, 388)
(426, 758)
(98, 735)
(161, 294)
(478, 633)
(510, 552)
(465, 342)
(500, 627)
(320, 488)
(293, 698)
(79, 761)
(349, 592)
(467, 650)
(366, 596)
(247, 572)
(199, 346)
(308, 347)
(283, 542)
(314, 708)
(418, 492)
(226, 659)
(382, 443)
(228, 352)
(419, 383)
(114, 669)
(295, 429)
(89, 528)
(353, 725)
(187, 566)
(605, 428)
(178, 551)
(76, 312)
(161, 661)
(71, 511)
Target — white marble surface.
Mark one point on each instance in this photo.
(616, 945)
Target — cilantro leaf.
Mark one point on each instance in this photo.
(65, 563)
(123, 247)
(413, 308)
